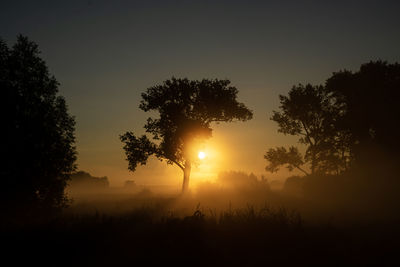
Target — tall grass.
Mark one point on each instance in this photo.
(157, 235)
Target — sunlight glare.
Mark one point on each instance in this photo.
(201, 155)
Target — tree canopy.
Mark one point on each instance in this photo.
(341, 121)
(369, 102)
(280, 156)
(186, 110)
(38, 138)
(309, 113)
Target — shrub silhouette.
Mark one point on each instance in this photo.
(84, 180)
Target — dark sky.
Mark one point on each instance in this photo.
(105, 53)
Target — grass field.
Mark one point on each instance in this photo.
(159, 231)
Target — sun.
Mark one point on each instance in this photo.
(201, 155)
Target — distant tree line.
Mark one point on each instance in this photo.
(83, 179)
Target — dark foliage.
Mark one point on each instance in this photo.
(186, 110)
(294, 185)
(280, 156)
(38, 134)
(350, 120)
(85, 180)
(309, 113)
(369, 99)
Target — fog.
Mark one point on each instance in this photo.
(356, 197)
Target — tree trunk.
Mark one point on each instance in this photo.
(186, 176)
(313, 160)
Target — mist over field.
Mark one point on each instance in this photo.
(236, 220)
(328, 200)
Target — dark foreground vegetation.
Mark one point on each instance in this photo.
(234, 237)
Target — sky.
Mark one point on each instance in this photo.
(106, 53)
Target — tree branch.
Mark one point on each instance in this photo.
(307, 133)
(177, 163)
(298, 167)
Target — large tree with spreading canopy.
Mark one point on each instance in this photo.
(309, 113)
(352, 119)
(186, 110)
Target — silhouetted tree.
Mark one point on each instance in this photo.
(353, 118)
(38, 134)
(280, 156)
(368, 100)
(186, 110)
(308, 112)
